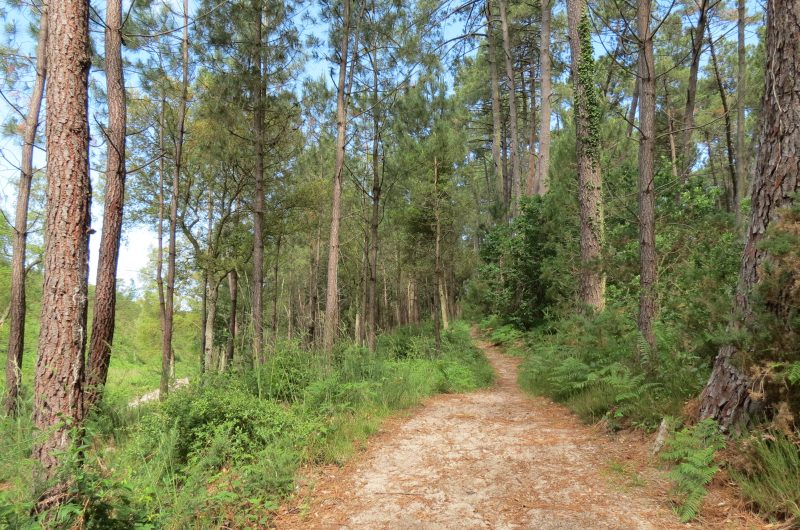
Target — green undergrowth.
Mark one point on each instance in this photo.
(770, 478)
(224, 452)
(601, 369)
(692, 450)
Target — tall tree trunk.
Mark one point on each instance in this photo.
(590, 184)
(727, 397)
(516, 183)
(105, 298)
(275, 269)
(544, 121)
(736, 199)
(533, 185)
(257, 310)
(497, 129)
(691, 91)
(437, 268)
(208, 331)
(648, 272)
(331, 324)
(17, 305)
(58, 386)
(169, 313)
(233, 289)
(160, 252)
(313, 328)
(375, 217)
(741, 87)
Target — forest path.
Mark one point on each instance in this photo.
(494, 459)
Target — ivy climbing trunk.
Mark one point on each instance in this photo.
(648, 271)
(727, 398)
(58, 384)
(105, 298)
(18, 305)
(590, 185)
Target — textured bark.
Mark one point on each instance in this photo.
(741, 88)
(331, 324)
(687, 146)
(497, 128)
(513, 124)
(546, 89)
(233, 331)
(726, 397)
(169, 302)
(532, 184)
(437, 256)
(375, 217)
(257, 309)
(105, 298)
(735, 197)
(648, 272)
(58, 386)
(17, 305)
(592, 278)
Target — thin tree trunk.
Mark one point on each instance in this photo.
(58, 385)
(166, 346)
(673, 150)
(516, 183)
(691, 91)
(587, 123)
(375, 218)
(275, 269)
(160, 253)
(741, 87)
(437, 270)
(497, 129)
(313, 329)
(233, 289)
(533, 185)
(544, 121)
(648, 272)
(727, 396)
(257, 311)
(728, 133)
(331, 324)
(634, 102)
(17, 304)
(105, 298)
(208, 331)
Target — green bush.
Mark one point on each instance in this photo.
(772, 480)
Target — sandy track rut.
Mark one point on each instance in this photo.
(490, 459)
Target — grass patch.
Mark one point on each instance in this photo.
(225, 450)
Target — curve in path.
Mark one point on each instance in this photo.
(490, 459)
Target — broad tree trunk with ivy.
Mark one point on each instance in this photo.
(590, 183)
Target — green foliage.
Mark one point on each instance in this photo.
(692, 450)
(593, 364)
(224, 450)
(771, 481)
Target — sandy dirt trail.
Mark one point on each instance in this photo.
(493, 459)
